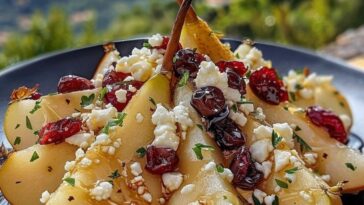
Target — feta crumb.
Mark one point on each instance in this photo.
(259, 114)
(102, 139)
(111, 150)
(139, 117)
(187, 188)
(141, 70)
(129, 78)
(259, 195)
(98, 80)
(310, 158)
(265, 167)
(181, 115)
(277, 189)
(238, 118)
(346, 121)
(79, 153)
(69, 165)
(210, 166)
(101, 191)
(147, 197)
(85, 162)
(306, 93)
(45, 197)
(262, 132)
(247, 108)
(290, 177)
(132, 89)
(79, 138)
(172, 180)
(260, 150)
(326, 177)
(121, 95)
(306, 196)
(268, 200)
(285, 131)
(156, 40)
(227, 174)
(281, 159)
(98, 118)
(136, 169)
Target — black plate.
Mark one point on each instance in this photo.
(47, 69)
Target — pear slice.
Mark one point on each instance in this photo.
(133, 135)
(23, 182)
(209, 185)
(110, 56)
(332, 155)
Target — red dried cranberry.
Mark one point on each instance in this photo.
(187, 60)
(57, 132)
(111, 77)
(165, 44)
(71, 83)
(227, 134)
(110, 96)
(327, 119)
(266, 84)
(35, 96)
(236, 81)
(246, 176)
(237, 66)
(161, 160)
(208, 101)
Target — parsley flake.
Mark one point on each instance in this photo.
(17, 140)
(350, 166)
(276, 139)
(297, 128)
(85, 101)
(234, 108)
(200, 126)
(248, 74)
(141, 152)
(17, 126)
(281, 184)
(36, 132)
(255, 200)
(115, 174)
(292, 96)
(115, 122)
(152, 101)
(291, 171)
(36, 107)
(237, 55)
(28, 123)
(147, 45)
(219, 168)
(198, 150)
(276, 200)
(34, 157)
(303, 145)
(71, 181)
(184, 79)
(102, 93)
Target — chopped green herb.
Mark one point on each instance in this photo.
(225, 197)
(198, 149)
(28, 123)
(342, 104)
(292, 96)
(17, 126)
(141, 152)
(36, 132)
(234, 108)
(298, 71)
(248, 74)
(219, 168)
(297, 128)
(115, 174)
(336, 93)
(350, 166)
(200, 126)
(299, 87)
(115, 122)
(147, 45)
(71, 181)
(102, 93)
(276, 200)
(17, 140)
(85, 101)
(285, 108)
(36, 107)
(244, 102)
(152, 101)
(276, 139)
(184, 79)
(237, 55)
(292, 171)
(34, 157)
(281, 184)
(303, 145)
(174, 59)
(255, 200)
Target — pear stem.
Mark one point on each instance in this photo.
(175, 36)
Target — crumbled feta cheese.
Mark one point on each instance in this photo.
(136, 169)
(89, 107)
(238, 117)
(187, 188)
(156, 40)
(306, 196)
(210, 166)
(172, 180)
(290, 177)
(260, 149)
(147, 197)
(121, 95)
(166, 140)
(310, 158)
(139, 117)
(277, 189)
(69, 165)
(326, 177)
(45, 197)
(98, 80)
(265, 167)
(99, 118)
(281, 159)
(259, 195)
(85, 162)
(227, 175)
(111, 150)
(79, 139)
(194, 203)
(181, 115)
(285, 131)
(306, 93)
(295, 161)
(268, 200)
(102, 139)
(129, 78)
(141, 70)
(259, 114)
(247, 108)
(262, 132)
(79, 153)
(101, 191)
(132, 89)
(346, 121)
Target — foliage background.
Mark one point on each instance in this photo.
(32, 27)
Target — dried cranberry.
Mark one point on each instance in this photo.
(110, 96)
(266, 84)
(71, 83)
(111, 77)
(35, 96)
(165, 44)
(327, 119)
(187, 60)
(227, 134)
(236, 81)
(246, 176)
(57, 132)
(208, 101)
(237, 66)
(161, 160)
